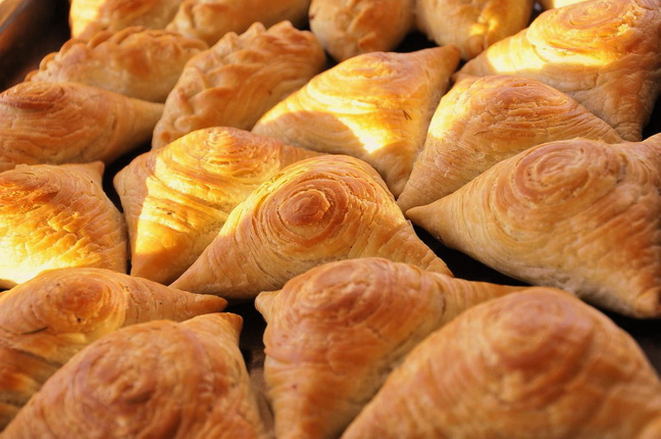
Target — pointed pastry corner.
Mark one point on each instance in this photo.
(93, 169)
(648, 304)
(421, 215)
(264, 303)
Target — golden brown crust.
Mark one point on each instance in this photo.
(177, 198)
(48, 319)
(136, 62)
(318, 210)
(42, 122)
(577, 214)
(156, 379)
(56, 217)
(537, 364)
(375, 107)
(606, 54)
(334, 333)
(483, 121)
(472, 25)
(551, 4)
(350, 27)
(238, 80)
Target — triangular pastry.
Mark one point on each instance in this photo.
(57, 217)
(177, 198)
(531, 365)
(159, 379)
(375, 107)
(46, 320)
(315, 211)
(136, 62)
(482, 121)
(210, 20)
(239, 79)
(347, 27)
(334, 333)
(43, 122)
(471, 26)
(606, 54)
(578, 214)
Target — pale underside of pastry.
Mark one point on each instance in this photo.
(87, 17)
(239, 79)
(57, 123)
(136, 62)
(157, 379)
(375, 106)
(335, 332)
(482, 121)
(210, 20)
(530, 365)
(606, 54)
(473, 25)
(57, 217)
(318, 210)
(177, 198)
(46, 320)
(350, 27)
(577, 214)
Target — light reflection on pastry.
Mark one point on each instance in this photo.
(550, 4)
(530, 365)
(318, 210)
(56, 217)
(482, 121)
(577, 214)
(335, 332)
(46, 320)
(375, 107)
(239, 79)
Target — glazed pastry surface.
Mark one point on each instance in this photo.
(535, 364)
(606, 54)
(577, 214)
(177, 198)
(56, 123)
(375, 107)
(136, 62)
(238, 80)
(57, 217)
(46, 320)
(156, 379)
(315, 211)
(550, 4)
(351, 27)
(482, 121)
(335, 332)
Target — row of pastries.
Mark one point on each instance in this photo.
(276, 179)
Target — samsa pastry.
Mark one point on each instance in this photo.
(46, 320)
(335, 332)
(482, 121)
(550, 4)
(136, 62)
(57, 217)
(152, 380)
(375, 107)
(87, 17)
(474, 25)
(210, 20)
(577, 214)
(239, 79)
(57, 123)
(318, 210)
(606, 54)
(351, 27)
(177, 198)
(531, 365)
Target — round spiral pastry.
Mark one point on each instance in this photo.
(156, 379)
(336, 331)
(317, 210)
(536, 364)
(55, 123)
(577, 214)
